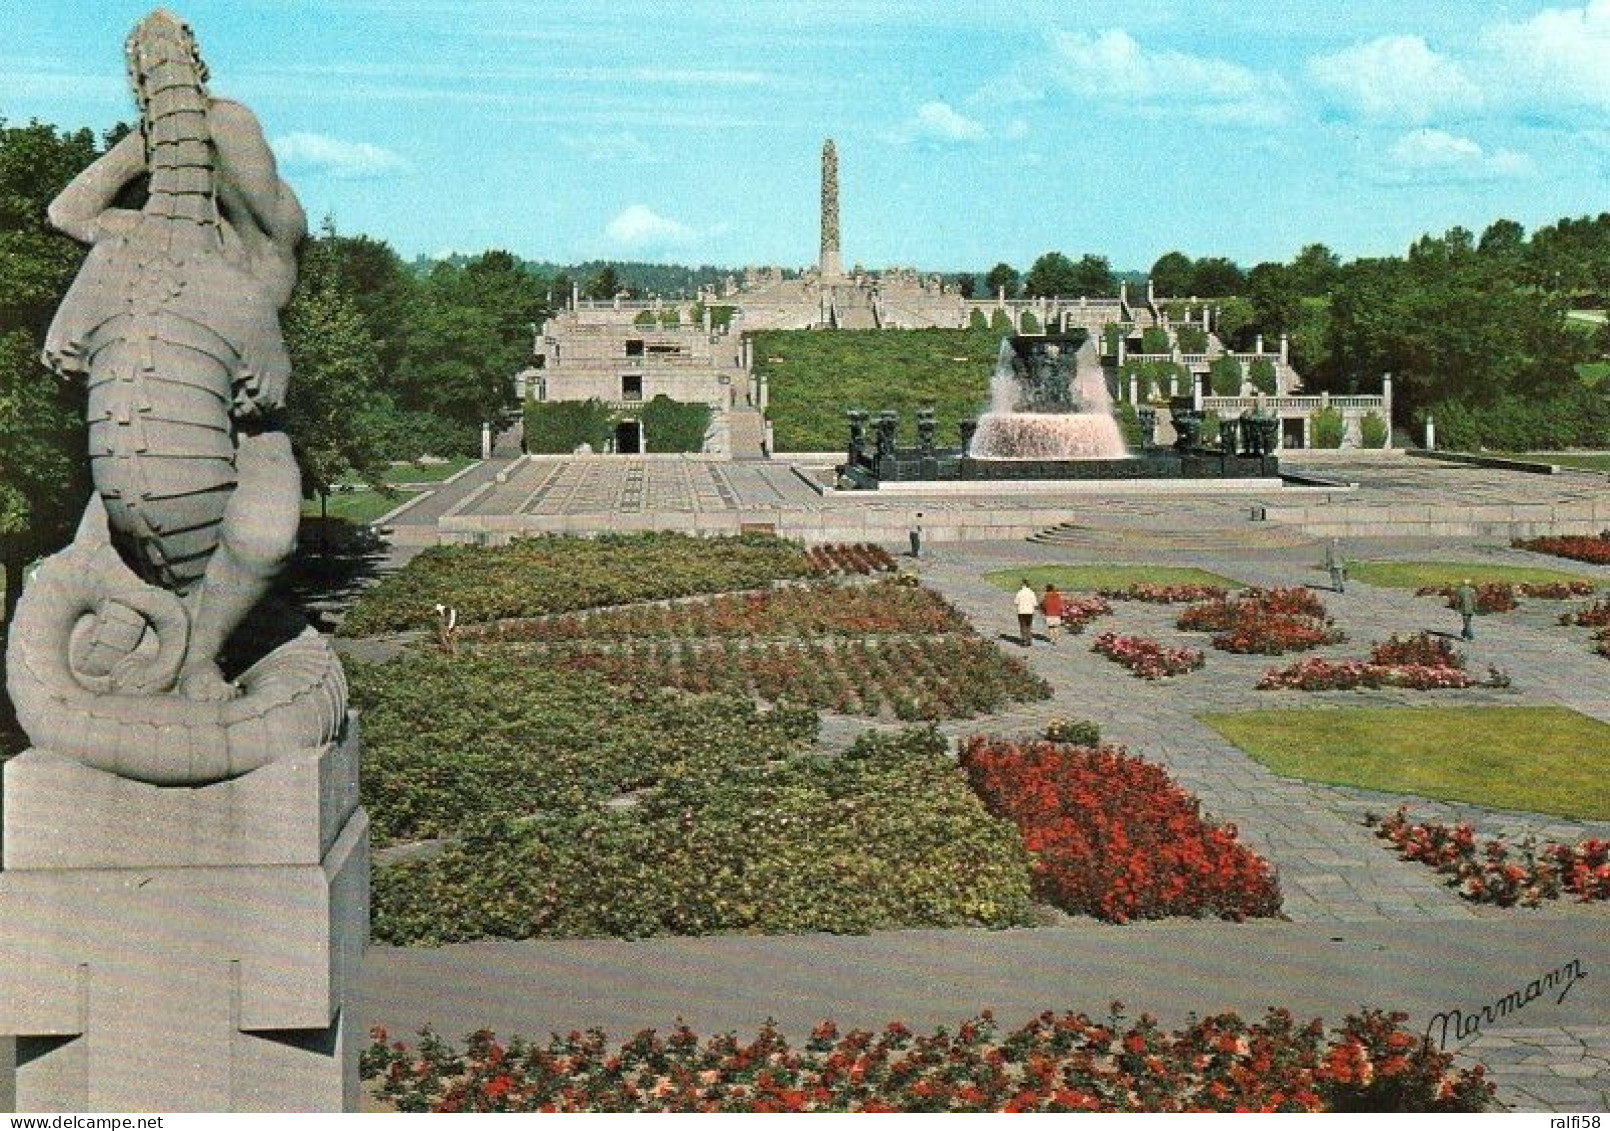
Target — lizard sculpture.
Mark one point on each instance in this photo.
(173, 322)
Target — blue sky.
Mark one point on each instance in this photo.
(967, 132)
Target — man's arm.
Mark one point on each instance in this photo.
(77, 211)
(248, 162)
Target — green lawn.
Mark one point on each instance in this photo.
(1537, 759)
(359, 505)
(1586, 461)
(430, 473)
(1414, 575)
(815, 376)
(1092, 577)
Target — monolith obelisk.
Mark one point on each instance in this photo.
(830, 266)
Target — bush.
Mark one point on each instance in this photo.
(1115, 837)
(452, 740)
(670, 316)
(1328, 428)
(1154, 339)
(976, 320)
(1210, 428)
(674, 426)
(1073, 732)
(403, 435)
(1191, 339)
(886, 835)
(1263, 376)
(1001, 323)
(1128, 424)
(562, 573)
(1373, 432)
(1111, 334)
(560, 427)
(1225, 376)
(644, 318)
(1569, 416)
(1053, 1064)
(1028, 323)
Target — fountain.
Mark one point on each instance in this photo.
(1050, 419)
(1040, 410)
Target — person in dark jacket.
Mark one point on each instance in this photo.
(1464, 603)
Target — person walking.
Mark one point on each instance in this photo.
(1337, 565)
(916, 536)
(1028, 603)
(1051, 605)
(1464, 602)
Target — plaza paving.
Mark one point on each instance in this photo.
(1364, 928)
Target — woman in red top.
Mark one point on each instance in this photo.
(1052, 607)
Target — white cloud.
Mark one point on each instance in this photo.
(1428, 156)
(1017, 127)
(1395, 78)
(348, 160)
(937, 122)
(639, 227)
(606, 147)
(1113, 66)
(1561, 55)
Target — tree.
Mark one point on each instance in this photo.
(604, 285)
(43, 470)
(1002, 276)
(1172, 274)
(335, 367)
(1215, 277)
(1225, 376)
(966, 284)
(1093, 276)
(1052, 274)
(1313, 271)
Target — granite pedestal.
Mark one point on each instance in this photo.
(184, 948)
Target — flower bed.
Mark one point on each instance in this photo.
(1061, 1063)
(1165, 594)
(1495, 872)
(1115, 837)
(1079, 610)
(1501, 596)
(1578, 548)
(561, 573)
(1596, 615)
(842, 558)
(1268, 622)
(938, 677)
(1421, 662)
(448, 740)
(884, 607)
(1147, 658)
(883, 836)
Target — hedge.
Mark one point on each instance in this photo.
(1328, 428)
(674, 426)
(1264, 377)
(559, 427)
(1225, 376)
(1373, 432)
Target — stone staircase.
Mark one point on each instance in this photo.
(746, 433)
(1226, 539)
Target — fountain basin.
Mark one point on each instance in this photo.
(1047, 436)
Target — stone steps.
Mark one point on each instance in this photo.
(1206, 539)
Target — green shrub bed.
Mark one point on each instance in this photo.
(561, 573)
(922, 678)
(821, 609)
(886, 835)
(451, 739)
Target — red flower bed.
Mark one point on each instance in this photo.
(1492, 871)
(1492, 597)
(859, 558)
(1316, 674)
(1596, 615)
(1421, 650)
(1114, 836)
(1060, 1063)
(1577, 547)
(1165, 594)
(1267, 622)
(1146, 657)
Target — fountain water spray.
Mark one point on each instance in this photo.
(1041, 411)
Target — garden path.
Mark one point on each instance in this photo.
(1331, 867)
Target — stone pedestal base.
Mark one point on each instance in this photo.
(184, 949)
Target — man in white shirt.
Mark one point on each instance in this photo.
(1027, 603)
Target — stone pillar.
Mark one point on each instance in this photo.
(1197, 380)
(1123, 292)
(172, 948)
(708, 322)
(830, 265)
(575, 295)
(1431, 433)
(1257, 347)
(1285, 350)
(486, 441)
(1134, 389)
(1308, 431)
(1122, 347)
(1151, 293)
(1386, 405)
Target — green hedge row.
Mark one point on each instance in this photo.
(560, 427)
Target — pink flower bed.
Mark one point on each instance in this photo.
(1421, 662)
(1493, 871)
(1078, 611)
(1166, 594)
(1500, 596)
(1147, 658)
